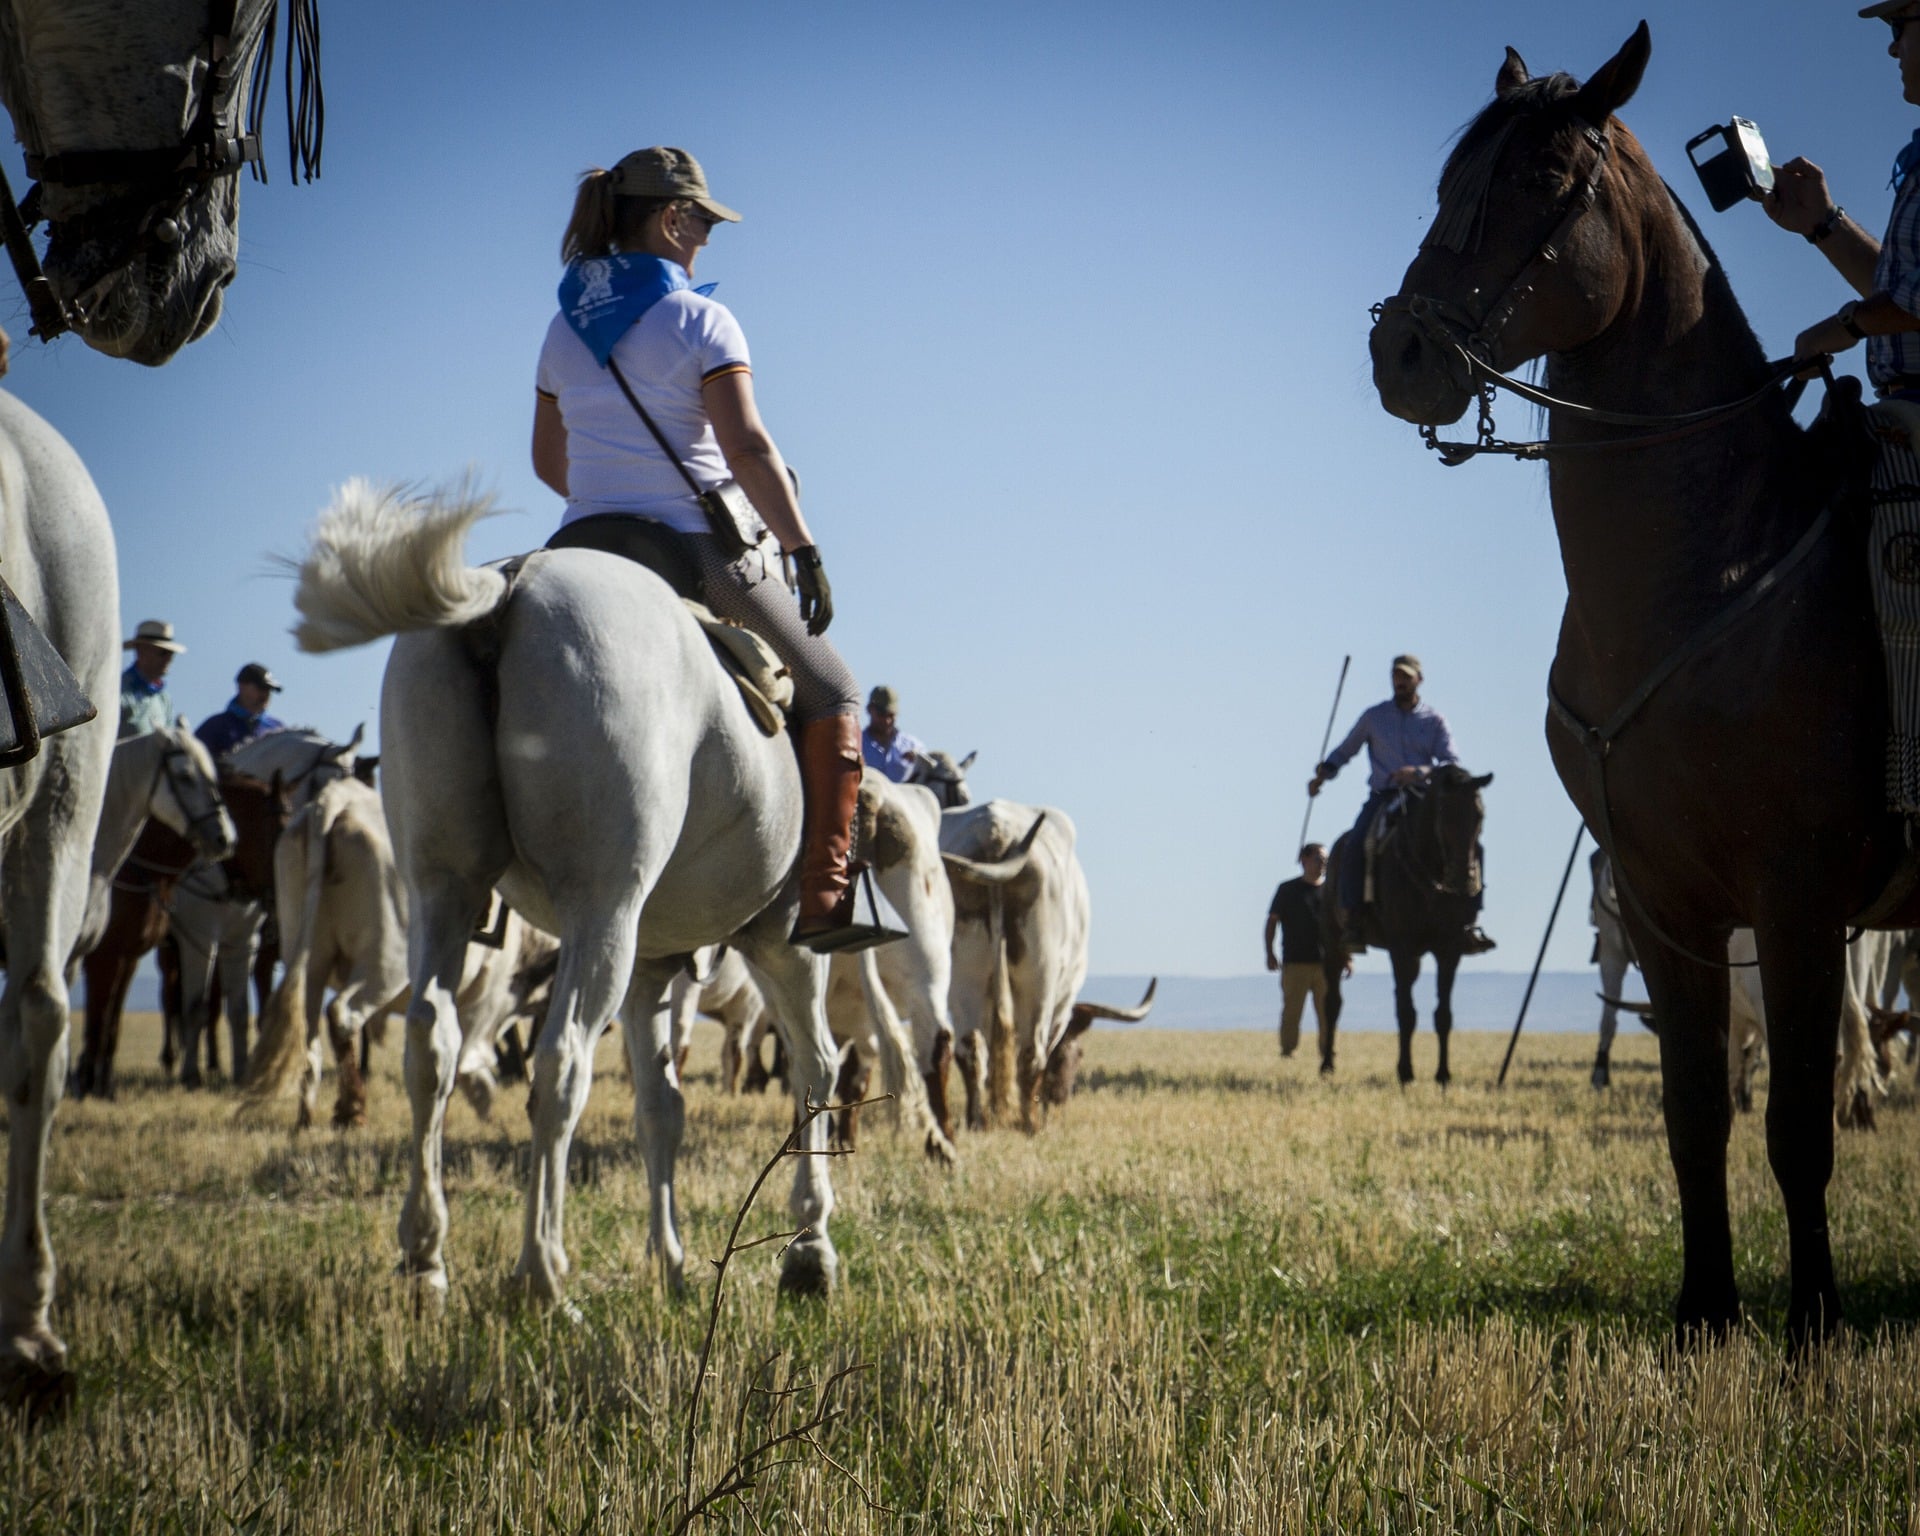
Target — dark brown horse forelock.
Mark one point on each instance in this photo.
(1467, 178)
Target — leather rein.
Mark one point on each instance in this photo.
(216, 144)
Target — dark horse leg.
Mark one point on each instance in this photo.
(1445, 963)
(1690, 1000)
(1803, 972)
(1406, 971)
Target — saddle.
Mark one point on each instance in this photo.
(759, 674)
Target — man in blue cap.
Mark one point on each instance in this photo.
(245, 716)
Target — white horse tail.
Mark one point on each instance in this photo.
(1002, 1046)
(382, 559)
(899, 1071)
(300, 867)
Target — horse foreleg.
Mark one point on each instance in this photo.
(1803, 971)
(1690, 1000)
(1444, 967)
(1406, 971)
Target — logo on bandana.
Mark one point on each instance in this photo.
(603, 297)
(596, 284)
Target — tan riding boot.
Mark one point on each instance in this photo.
(830, 761)
(830, 758)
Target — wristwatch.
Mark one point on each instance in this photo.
(1847, 323)
(1827, 225)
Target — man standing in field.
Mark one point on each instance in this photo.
(1295, 912)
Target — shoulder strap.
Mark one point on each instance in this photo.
(666, 447)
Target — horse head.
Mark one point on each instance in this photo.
(136, 116)
(1455, 813)
(185, 797)
(1538, 246)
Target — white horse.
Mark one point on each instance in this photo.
(302, 760)
(56, 551)
(136, 141)
(569, 737)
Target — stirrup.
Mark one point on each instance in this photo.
(848, 933)
(43, 697)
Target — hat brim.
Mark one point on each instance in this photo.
(1887, 10)
(159, 645)
(1410, 671)
(722, 211)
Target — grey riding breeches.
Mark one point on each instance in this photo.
(751, 592)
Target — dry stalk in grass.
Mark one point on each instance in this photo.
(751, 1462)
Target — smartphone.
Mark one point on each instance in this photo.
(1734, 166)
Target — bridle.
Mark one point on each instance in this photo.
(1467, 343)
(1411, 859)
(180, 780)
(220, 139)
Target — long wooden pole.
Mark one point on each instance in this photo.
(1332, 714)
(1552, 918)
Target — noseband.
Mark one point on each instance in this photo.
(216, 144)
(1467, 343)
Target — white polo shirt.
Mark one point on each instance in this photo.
(613, 462)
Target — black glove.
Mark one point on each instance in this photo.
(816, 594)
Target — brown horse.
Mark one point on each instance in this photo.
(136, 921)
(1426, 882)
(1717, 701)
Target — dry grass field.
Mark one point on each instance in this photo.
(1218, 1294)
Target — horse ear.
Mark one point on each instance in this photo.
(1483, 781)
(1615, 81)
(1513, 74)
(967, 761)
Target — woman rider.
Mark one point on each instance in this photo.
(626, 301)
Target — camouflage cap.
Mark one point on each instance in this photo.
(1408, 663)
(666, 172)
(885, 700)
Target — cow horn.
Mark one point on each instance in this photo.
(1121, 1015)
(1000, 871)
(1638, 1010)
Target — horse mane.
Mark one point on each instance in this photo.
(1467, 177)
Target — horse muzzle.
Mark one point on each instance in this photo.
(1417, 372)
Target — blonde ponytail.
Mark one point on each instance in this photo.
(604, 219)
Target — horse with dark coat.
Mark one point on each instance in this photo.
(1426, 879)
(1719, 625)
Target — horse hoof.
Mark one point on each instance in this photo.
(940, 1151)
(34, 1380)
(810, 1270)
(190, 1081)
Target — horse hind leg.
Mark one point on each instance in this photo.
(659, 1113)
(445, 914)
(595, 974)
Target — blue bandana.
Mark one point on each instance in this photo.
(603, 296)
(1908, 158)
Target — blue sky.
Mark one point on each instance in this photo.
(1060, 309)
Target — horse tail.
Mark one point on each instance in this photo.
(383, 559)
(300, 867)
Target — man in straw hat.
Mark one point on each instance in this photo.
(1405, 740)
(144, 705)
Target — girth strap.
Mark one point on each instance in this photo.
(1598, 740)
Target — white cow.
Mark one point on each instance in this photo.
(343, 912)
(1019, 948)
